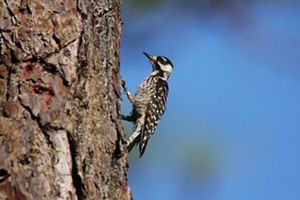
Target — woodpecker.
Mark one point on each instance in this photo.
(149, 102)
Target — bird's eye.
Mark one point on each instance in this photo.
(162, 60)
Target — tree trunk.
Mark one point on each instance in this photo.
(60, 132)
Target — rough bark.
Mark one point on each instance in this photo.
(60, 132)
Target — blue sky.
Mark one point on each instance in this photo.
(231, 129)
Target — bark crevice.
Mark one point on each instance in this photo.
(77, 180)
(12, 14)
(3, 175)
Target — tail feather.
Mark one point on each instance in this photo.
(133, 140)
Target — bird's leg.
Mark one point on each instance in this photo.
(130, 118)
(128, 94)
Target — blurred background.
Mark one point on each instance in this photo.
(231, 130)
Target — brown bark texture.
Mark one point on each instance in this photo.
(60, 131)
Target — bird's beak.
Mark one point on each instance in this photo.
(152, 59)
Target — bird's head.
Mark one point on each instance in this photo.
(160, 65)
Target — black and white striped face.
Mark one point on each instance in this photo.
(161, 64)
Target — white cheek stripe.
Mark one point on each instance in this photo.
(166, 68)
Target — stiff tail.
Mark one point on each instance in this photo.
(133, 140)
(135, 137)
